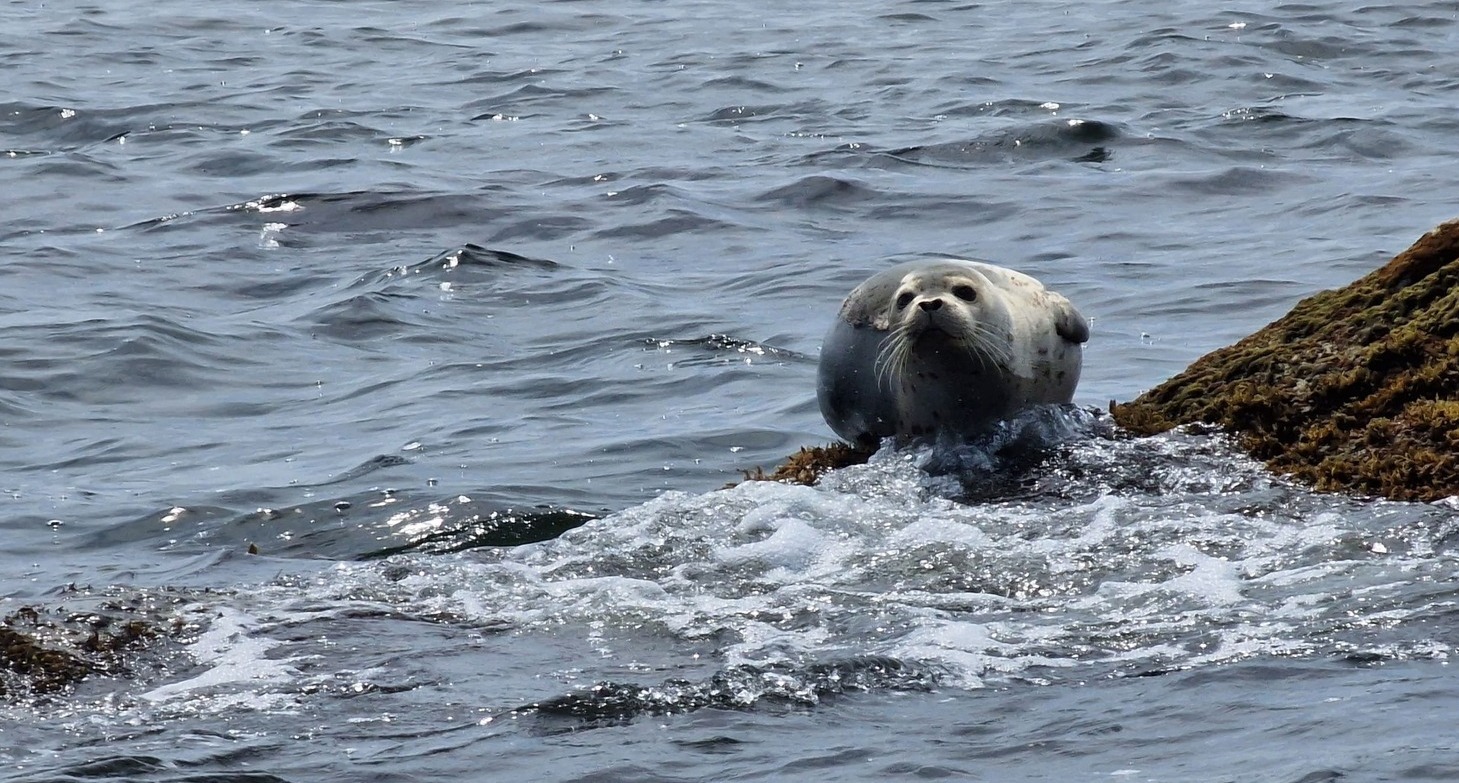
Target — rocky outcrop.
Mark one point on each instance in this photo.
(1355, 390)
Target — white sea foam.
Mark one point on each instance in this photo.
(234, 654)
(1100, 579)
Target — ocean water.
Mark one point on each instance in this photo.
(391, 359)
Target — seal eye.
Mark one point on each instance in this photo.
(904, 300)
(965, 292)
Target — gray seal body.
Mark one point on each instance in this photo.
(935, 349)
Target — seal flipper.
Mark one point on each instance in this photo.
(1069, 324)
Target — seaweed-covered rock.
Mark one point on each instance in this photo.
(44, 668)
(43, 651)
(807, 465)
(1355, 390)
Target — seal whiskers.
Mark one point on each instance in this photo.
(893, 353)
(984, 346)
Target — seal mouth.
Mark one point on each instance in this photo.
(946, 341)
(932, 326)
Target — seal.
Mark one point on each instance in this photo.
(943, 349)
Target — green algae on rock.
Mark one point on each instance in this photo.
(1355, 390)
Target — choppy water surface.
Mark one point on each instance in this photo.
(462, 315)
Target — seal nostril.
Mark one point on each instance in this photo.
(930, 304)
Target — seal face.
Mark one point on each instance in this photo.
(934, 349)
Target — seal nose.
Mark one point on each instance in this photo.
(930, 304)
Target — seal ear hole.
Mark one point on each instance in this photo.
(904, 299)
(965, 292)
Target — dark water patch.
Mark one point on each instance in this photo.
(149, 362)
(270, 290)
(806, 111)
(152, 352)
(379, 211)
(965, 209)
(234, 164)
(733, 115)
(1071, 139)
(13, 407)
(571, 391)
(72, 163)
(1161, 38)
(739, 688)
(471, 256)
(492, 282)
(366, 526)
(165, 527)
(117, 766)
(59, 127)
(363, 318)
(1366, 141)
(407, 141)
(1261, 292)
(820, 191)
(542, 228)
(323, 128)
(909, 17)
(1005, 107)
(82, 453)
(637, 195)
(360, 212)
(1323, 48)
(594, 180)
(369, 466)
(719, 744)
(1323, 134)
(677, 221)
(1420, 22)
(152, 768)
(496, 528)
(271, 204)
(730, 84)
(1235, 181)
(510, 76)
(554, 24)
(1260, 114)
(723, 349)
(513, 103)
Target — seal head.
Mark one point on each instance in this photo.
(929, 350)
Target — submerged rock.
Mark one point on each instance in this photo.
(43, 651)
(999, 457)
(1355, 390)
